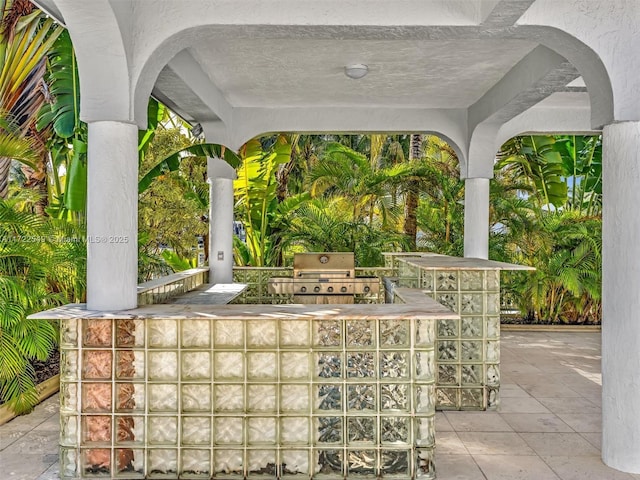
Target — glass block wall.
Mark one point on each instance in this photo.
(468, 349)
(268, 398)
(257, 279)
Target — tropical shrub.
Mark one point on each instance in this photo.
(41, 265)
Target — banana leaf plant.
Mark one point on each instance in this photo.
(537, 159)
(257, 202)
(582, 165)
(171, 163)
(68, 145)
(25, 38)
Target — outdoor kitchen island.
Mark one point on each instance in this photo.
(248, 391)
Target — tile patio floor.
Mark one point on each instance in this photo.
(548, 425)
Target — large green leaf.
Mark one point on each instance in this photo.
(537, 159)
(75, 197)
(155, 113)
(171, 163)
(64, 113)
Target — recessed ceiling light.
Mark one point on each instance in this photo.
(356, 71)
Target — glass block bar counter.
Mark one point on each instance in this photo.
(249, 391)
(467, 347)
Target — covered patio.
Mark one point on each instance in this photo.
(547, 428)
(475, 73)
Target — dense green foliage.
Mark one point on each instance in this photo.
(545, 210)
(42, 264)
(173, 208)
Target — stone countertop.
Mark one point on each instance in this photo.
(210, 294)
(426, 309)
(432, 261)
(174, 277)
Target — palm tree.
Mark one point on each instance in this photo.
(323, 225)
(412, 190)
(364, 187)
(26, 36)
(41, 266)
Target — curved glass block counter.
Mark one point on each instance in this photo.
(306, 391)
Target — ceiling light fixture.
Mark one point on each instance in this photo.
(356, 71)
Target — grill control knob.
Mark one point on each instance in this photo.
(316, 289)
(367, 288)
(329, 289)
(303, 289)
(343, 289)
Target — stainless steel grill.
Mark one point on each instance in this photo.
(324, 278)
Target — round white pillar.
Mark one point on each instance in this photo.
(621, 297)
(476, 218)
(112, 216)
(221, 176)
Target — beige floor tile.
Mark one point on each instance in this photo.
(539, 378)
(24, 423)
(516, 369)
(521, 405)
(52, 424)
(512, 390)
(594, 439)
(550, 443)
(595, 399)
(34, 443)
(23, 466)
(477, 422)
(574, 379)
(7, 438)
(448, 443)
(549, 390)
(503, 467)
(495, 443)
(551, 366)
(457, 467)
(52, 473)
(587, 390)
(583, 422)
(535, 422)
(569, 405)
(583, 468)
(442, 424)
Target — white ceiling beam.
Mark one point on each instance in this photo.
(450, 124)
(506, 13)
(532, 79)
(190, 72)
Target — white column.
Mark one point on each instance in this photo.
(221, 176)
(476, 217)
(621, 297)
(112, 216)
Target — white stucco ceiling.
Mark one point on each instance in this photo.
(242, 68)
(310, 72)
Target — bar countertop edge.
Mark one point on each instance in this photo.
(427, 308)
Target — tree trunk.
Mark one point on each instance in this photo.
(411, 198)
(37, 181)
(5, 166)
(410, 220)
